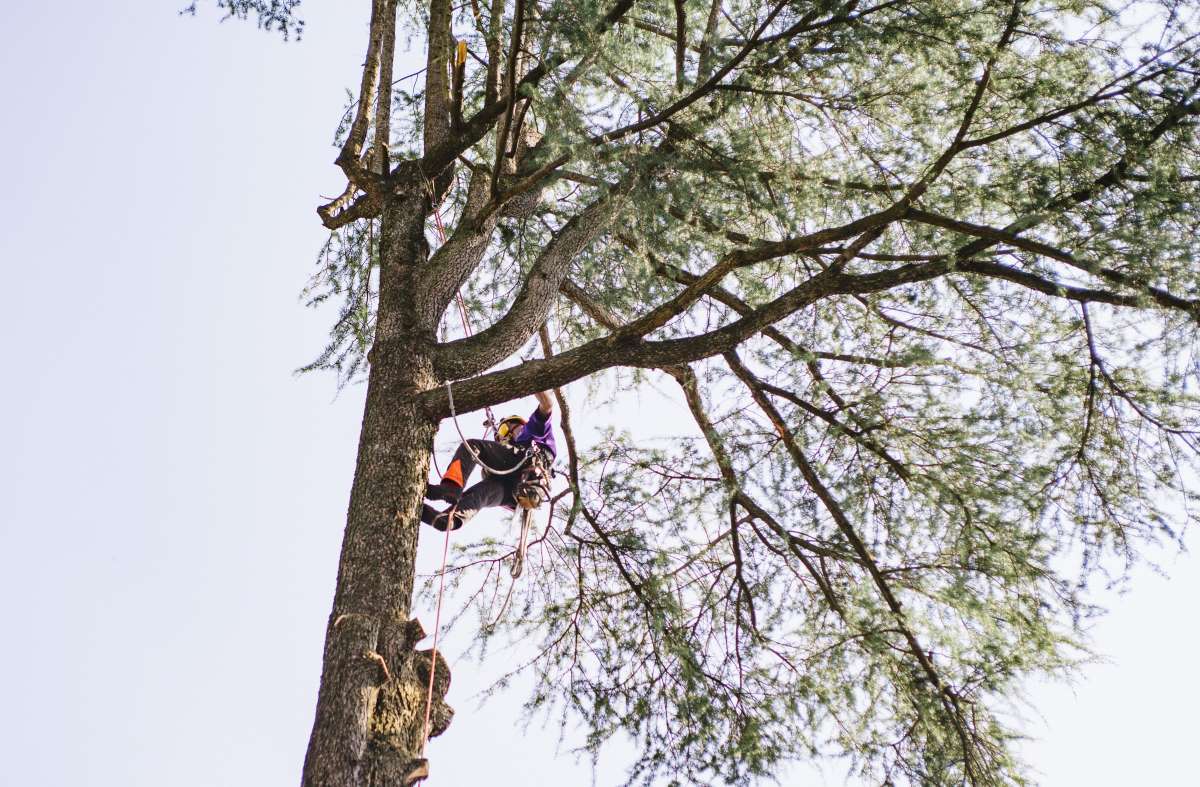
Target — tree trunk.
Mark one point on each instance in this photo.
(369, 726)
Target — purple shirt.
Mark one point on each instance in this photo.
(537, 430)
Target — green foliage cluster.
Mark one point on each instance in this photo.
(994, 438)
(271, 15)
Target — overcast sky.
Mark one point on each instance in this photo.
(172, 498)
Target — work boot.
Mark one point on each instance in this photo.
(451, 516)
(447, 491)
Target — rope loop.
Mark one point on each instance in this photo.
(475, 454)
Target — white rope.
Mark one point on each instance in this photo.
(472, 451)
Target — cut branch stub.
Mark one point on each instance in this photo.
(396, 742)
(440, 714)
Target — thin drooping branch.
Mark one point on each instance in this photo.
(1098, 365)
(568, 433)
(687, 382)
(1179, 113)
(802, 549)
(686, 378)
(798, 547)
(1106, 93)
(981, 86)
(704, 89)
(947, 695)
(857, 435)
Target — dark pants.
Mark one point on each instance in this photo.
(492, 490)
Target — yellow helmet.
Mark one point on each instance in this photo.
(508, 427)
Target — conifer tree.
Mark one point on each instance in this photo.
(923, 273)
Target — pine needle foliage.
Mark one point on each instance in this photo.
(924, 275)
(271, 15)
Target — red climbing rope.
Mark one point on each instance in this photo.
(437, 626)
(489, 424)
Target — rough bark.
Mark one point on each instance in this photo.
(370, 709)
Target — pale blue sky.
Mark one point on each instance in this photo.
(172, 498)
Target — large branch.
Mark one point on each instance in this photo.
(374, 90)
(348, 157)
(452, 263)
(621, 350)
(383, 101)
(722, 295)
(510, 85)
(866, 227)
(470, 355)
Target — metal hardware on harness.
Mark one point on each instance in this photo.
(533, 485)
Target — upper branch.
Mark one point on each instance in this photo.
(468, 356)
(440, 155)
(437, 78)
(1157, 294)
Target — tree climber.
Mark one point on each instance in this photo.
(520, 443)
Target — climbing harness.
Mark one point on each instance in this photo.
(533, 485)
(532, 489)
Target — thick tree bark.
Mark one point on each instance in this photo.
(369, 726)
